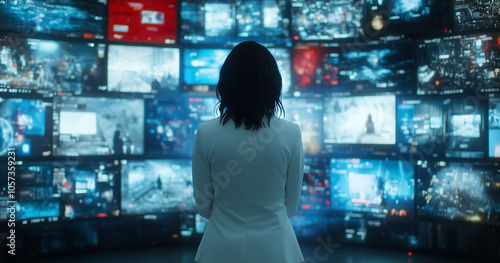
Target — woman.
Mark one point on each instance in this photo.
(248, 166)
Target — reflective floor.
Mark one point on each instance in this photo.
(313, 253)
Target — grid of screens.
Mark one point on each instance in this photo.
(120, 79)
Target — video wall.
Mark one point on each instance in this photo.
(398, 102)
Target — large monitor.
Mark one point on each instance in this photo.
(342, 67)
(459, 191)
(25, 126)
(156, 186)
(201, 68)
(459, 64)
(143, 21)
(88, 189)
(308, 114)
(143, 69)
(98, 126)
(327, 20)
(359, 120)
(472, 15)
(61, 18)
(49, 66)
(410, 17)
(373, 186)
(233, 21)
(171, 124)
(494, 127)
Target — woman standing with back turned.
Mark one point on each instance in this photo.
(248, 166)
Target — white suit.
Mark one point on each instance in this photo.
(248, 184)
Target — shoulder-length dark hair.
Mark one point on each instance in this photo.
(249, 86)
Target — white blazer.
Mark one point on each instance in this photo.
(248, 184)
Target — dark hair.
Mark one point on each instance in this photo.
(249, 86)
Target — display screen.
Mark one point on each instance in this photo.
(61, 18)
(284, 62)
(202, 68)
(143, 69)
(308, 114)
(25, 127)
(327, 20)
(351, 68)
(374, 186)
(233, 21)
(471, 15)
(464, 128)
(171, 124)
(392, 17)
(88, 189)
(143, 21)
(98, 126)
(156, 186)
(434, 127)
(360, 120)
(315, 193)
(494, 127)
(67, 189)
(37, 193)
(52, 66)
(461, 191)
(459, 64)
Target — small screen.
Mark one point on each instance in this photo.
(308, 114)
(25, 126)
(392, 17)
(350, 68)
(61, 18)
(202, 68)
(494, 127)
(327, 20)
(143, 69)
(360, 120)
(234, 21)
(98, 126)
(471, 15)
(374, 186)
(459, 191)
(156, 186)
(171, 124)
(52, 66)
(459, 64)
(88, 189)
(143, 21)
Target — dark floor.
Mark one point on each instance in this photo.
(313, 253)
